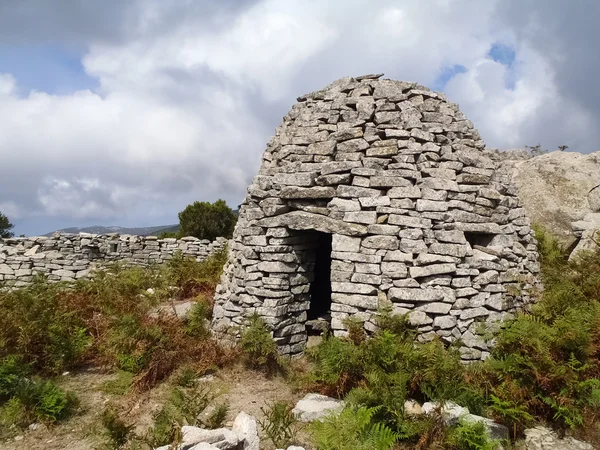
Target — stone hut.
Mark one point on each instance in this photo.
(375, 194)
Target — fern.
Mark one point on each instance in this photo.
(353, 429)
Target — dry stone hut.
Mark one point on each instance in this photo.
(377, 193)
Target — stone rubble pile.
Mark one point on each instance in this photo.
(244, 432)
(242, 436)
(68, 257)
(418, 217)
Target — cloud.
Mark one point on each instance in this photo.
(186, 94)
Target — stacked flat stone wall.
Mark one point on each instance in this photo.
(67, 257)
(420, 219)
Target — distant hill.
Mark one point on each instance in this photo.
(97, 229)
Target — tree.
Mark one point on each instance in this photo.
(5, 227)
(207, 221)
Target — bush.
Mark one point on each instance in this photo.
(546, 365)
(12, 375)
(36, 325)
(207, 221)
(184, 407)
(353, 429)
(258, 347)
(217, 417)
(279, 423)
(116, 430)
(470, 436)
(5, 227)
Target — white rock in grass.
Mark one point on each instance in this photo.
(315, 407)
(221, 437)
(541, 438)
(204, 446)
(244, 426)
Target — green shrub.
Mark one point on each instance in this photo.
(184, 407)
(12, 374)
(196, 320)
(257, 345)
(38, 327)
(546, 365)
(186, 376)
(51, 402)
(165, 428)
(339, 366)
(279, 423)
(353, 429)
(13, 414)
(470, 436)
(207, 220)
(116, 430)
(190, 403)
(217, 417)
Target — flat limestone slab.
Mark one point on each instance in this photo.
(316, 407)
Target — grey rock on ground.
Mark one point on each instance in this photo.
(452, 413)
(244, 426)
(221, 437)
(316, 407)
(541, 438)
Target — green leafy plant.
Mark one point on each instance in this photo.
(217, 417)
(13, 372)
(184, 407)
(353, 429)
(165, 429)
(207, 221)
(186, 376)
(279, 423)
(190, 403)
(257, 345)
(5, 227)
(116, 430)
(470, 436)
(196, 320)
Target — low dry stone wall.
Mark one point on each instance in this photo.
(67, 257)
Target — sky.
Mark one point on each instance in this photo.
(122, 113)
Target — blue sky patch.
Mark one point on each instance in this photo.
(52, 69)
(503, 54)
(446, 74)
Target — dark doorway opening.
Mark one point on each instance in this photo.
(320, 288)
(480, 239)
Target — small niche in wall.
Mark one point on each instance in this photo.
(113, 247)
(479, 239)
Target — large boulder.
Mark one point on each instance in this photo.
(560, 191)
